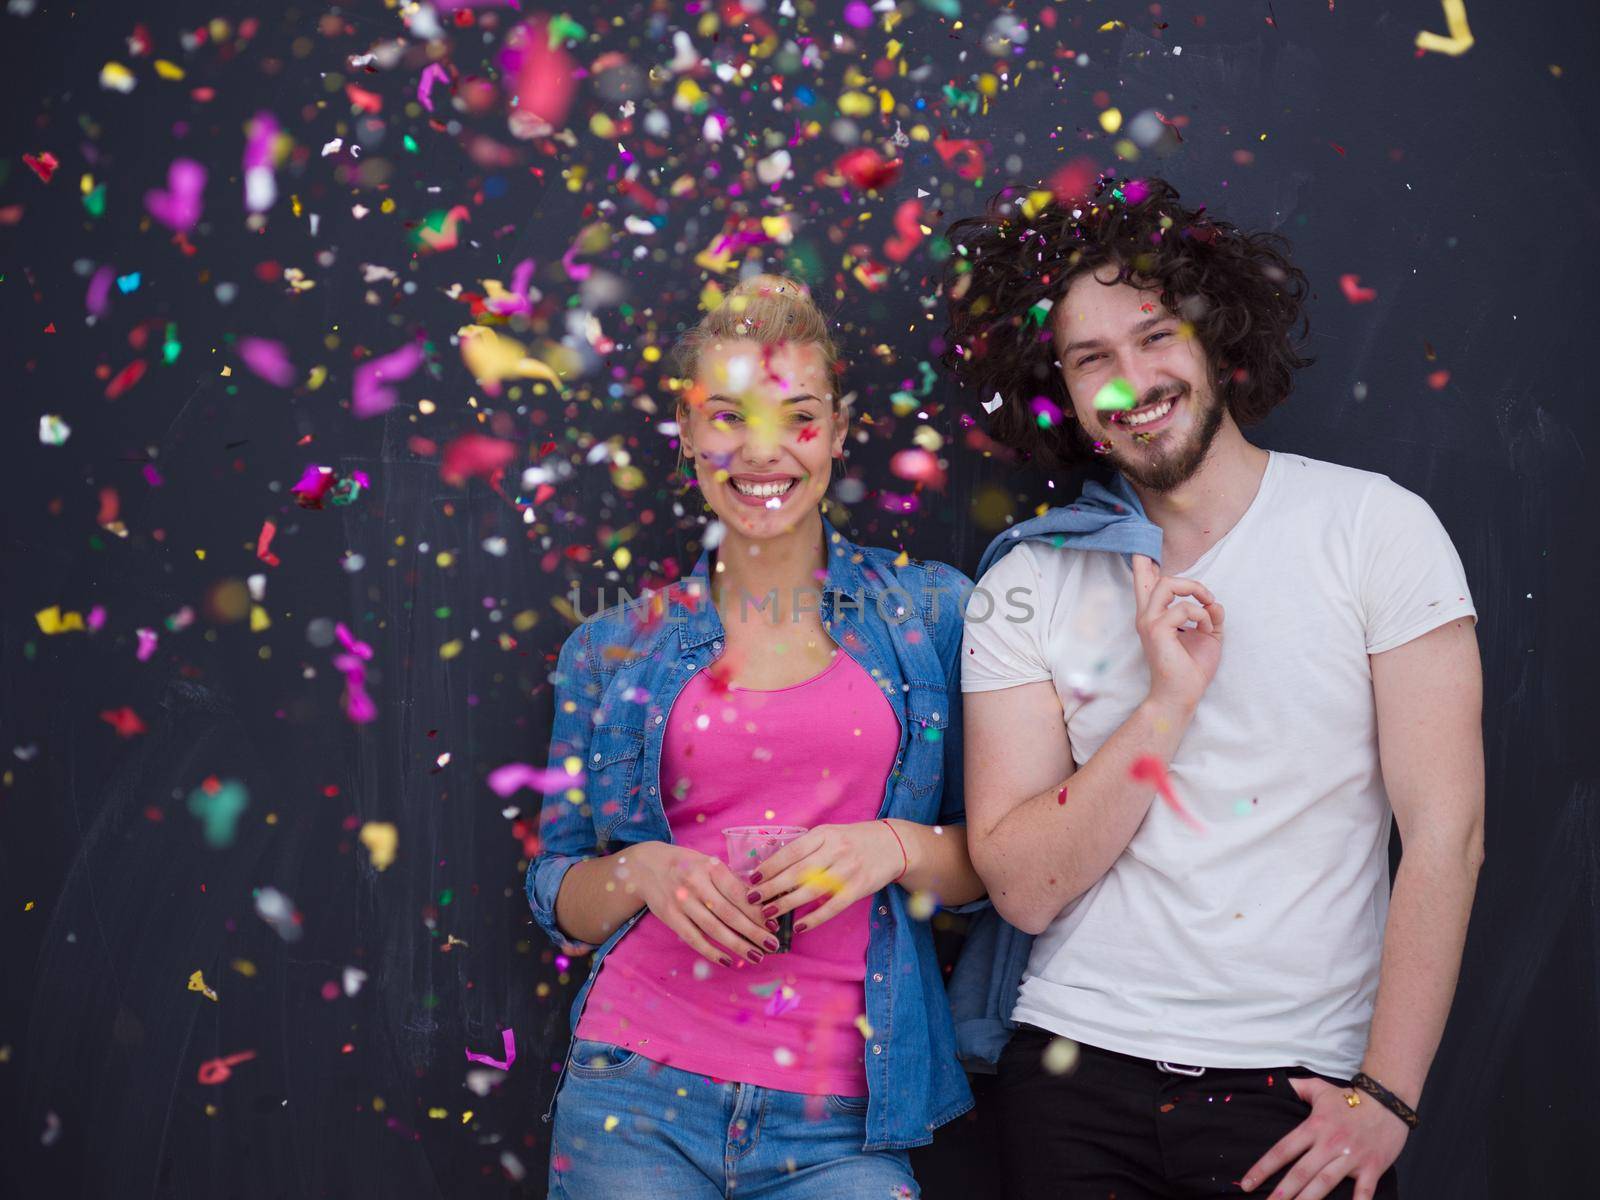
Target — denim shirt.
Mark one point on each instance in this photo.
(615, 683)
(994, 958)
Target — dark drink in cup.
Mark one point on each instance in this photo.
(751, 845)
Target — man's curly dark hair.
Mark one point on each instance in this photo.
(1239, 291)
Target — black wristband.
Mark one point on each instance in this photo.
(1385, 1097)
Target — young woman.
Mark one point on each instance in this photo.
(793, 679)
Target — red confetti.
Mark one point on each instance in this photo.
(264, 543)
(43, 165)
(1153, 771)
(1437, 379)
(1354, 292)
(125, 721)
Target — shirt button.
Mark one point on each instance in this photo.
(658, 719)
(883, 910)
(935, 716)
(652, 791)
(597, 757)
(877, 1048)
(877, 977)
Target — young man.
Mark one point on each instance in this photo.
(1180, 777)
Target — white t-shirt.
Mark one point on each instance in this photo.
(1256, 943)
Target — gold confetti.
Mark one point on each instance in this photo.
(381, 839)
(197, 983)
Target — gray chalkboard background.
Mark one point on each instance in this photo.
(1460, 189)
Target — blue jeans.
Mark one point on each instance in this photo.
(627, 1126)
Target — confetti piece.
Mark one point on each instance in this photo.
(178, 207)
(53, 621)
(278, 911)
(509, 1053)
(381, 840)
(125, 721)
(431, 74)
(218, 1070)
(1115, 396)
(1354, 292)
(503, 781)
(1460, 39)
(53, 431)
(197, 983)
(43, 165)
(370, 395)
(1150, 769)
(267, 359)
(218, 806)
(260, 182)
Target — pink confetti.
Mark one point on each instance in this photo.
(349, 642)
(178, 207)
(369, 395)
(431, 74)
(98, 298)
(314, 486)
(542, 77)
(475, 454)
(503, 781)
(148, 641)
(509, 1042)
(267, 359)
(260, 182)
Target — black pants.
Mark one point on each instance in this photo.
(1120, 1128)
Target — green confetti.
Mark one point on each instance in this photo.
(218, 804)
(1116, 396)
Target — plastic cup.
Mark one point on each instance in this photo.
(751, 845)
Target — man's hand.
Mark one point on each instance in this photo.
(1182, 660)
(1335, 1142)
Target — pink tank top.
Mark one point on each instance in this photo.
(816, 753)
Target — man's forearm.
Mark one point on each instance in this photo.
(1053, 847)
(1422, 944)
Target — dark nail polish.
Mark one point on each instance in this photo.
(773, 925)
(754, 956)
(800, 928)
(770, 910)
(752, 897)
(756, 877)
(726, 961)
(772, 943)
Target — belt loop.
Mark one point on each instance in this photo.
(1178, 1069)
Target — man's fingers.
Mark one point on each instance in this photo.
(1289, 1147)
(1145, 575)
(1325, 1180)
(1170, 587)
(1182, 613)
(1217, 615)
(1366, 1186)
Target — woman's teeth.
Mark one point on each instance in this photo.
(1145, 415)
(762, 489)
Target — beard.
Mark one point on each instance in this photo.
(1170, 469)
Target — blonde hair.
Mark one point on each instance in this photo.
(769, 309)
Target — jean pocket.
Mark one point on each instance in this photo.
(848, 1106)
(599, 1060)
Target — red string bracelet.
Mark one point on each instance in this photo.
(905, 859)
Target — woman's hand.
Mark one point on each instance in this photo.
(701, 901)
(842, 862)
